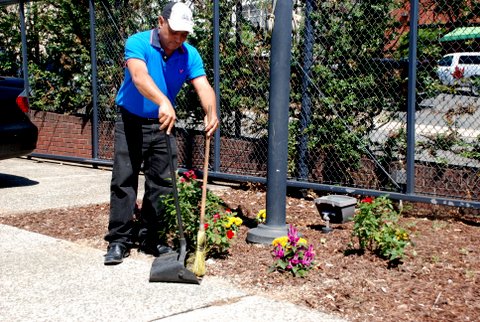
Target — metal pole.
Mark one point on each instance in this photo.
(216, 77)
(411, 99)
(306, 100)
(21, 12)
(277, 127)
(93, 55)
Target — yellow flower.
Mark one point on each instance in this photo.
(231, 221)
(238, 221)
(262, 216)
(280, 241)
(302, 241)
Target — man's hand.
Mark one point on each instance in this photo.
(147, 87)
(208, 101)
(211, 122)
(166, 117)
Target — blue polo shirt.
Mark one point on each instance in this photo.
(170, 75)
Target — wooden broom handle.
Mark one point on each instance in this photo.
(205, 179)
(205, 176)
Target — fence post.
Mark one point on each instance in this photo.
(93, 55)
(411, 99)
(280, 58)
(21, 12)
(216, 78)
(306, 100)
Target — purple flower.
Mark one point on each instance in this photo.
(294, 261)
(278, 252)
(293, 235)
(305, 262)
(308, 256)
(310, 253)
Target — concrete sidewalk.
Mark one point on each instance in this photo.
(34, 185)
(47, 279)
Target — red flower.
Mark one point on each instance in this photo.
(230, 234)
(458, 73)
(367, 200)
(190, 174)
(228, 211)
(206, 226)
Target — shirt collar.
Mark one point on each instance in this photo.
(155, 41)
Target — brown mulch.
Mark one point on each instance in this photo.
(439, 280)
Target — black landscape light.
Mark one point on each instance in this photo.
(336, 209)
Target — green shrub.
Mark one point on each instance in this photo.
(377, 229)
(221, 224)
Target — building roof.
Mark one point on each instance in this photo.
(462, 33)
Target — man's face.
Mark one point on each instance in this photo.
(170, 39)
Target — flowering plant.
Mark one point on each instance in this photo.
(221, 225)
(261, 217)
(220, 228)
(291, 254)
(458, 73)
(377, 228)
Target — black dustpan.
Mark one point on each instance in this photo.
(170, 267)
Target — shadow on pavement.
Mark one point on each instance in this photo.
(10, 181)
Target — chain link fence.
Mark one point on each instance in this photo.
(349, 91)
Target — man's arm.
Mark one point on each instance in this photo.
(147, 87)
(208, 101)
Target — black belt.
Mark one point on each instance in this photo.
(149, 121)
(136, 118)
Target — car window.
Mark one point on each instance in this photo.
(469, 60)
(446, 61)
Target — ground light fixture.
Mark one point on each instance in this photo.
(336, 209)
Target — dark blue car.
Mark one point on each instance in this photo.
(18, 135)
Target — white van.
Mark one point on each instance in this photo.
(457, 68)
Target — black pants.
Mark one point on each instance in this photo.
(138, 140)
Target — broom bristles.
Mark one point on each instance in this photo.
(198, 267)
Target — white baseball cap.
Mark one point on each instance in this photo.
(179, 16)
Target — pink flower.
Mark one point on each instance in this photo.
(310, 253)
(308, 256)
(278, 252)
(293, 235)
(294, 261)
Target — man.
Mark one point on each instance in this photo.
(158, 62)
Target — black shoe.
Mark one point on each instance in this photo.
(115, 254)
(155, 250)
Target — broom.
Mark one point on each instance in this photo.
(198, 267)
